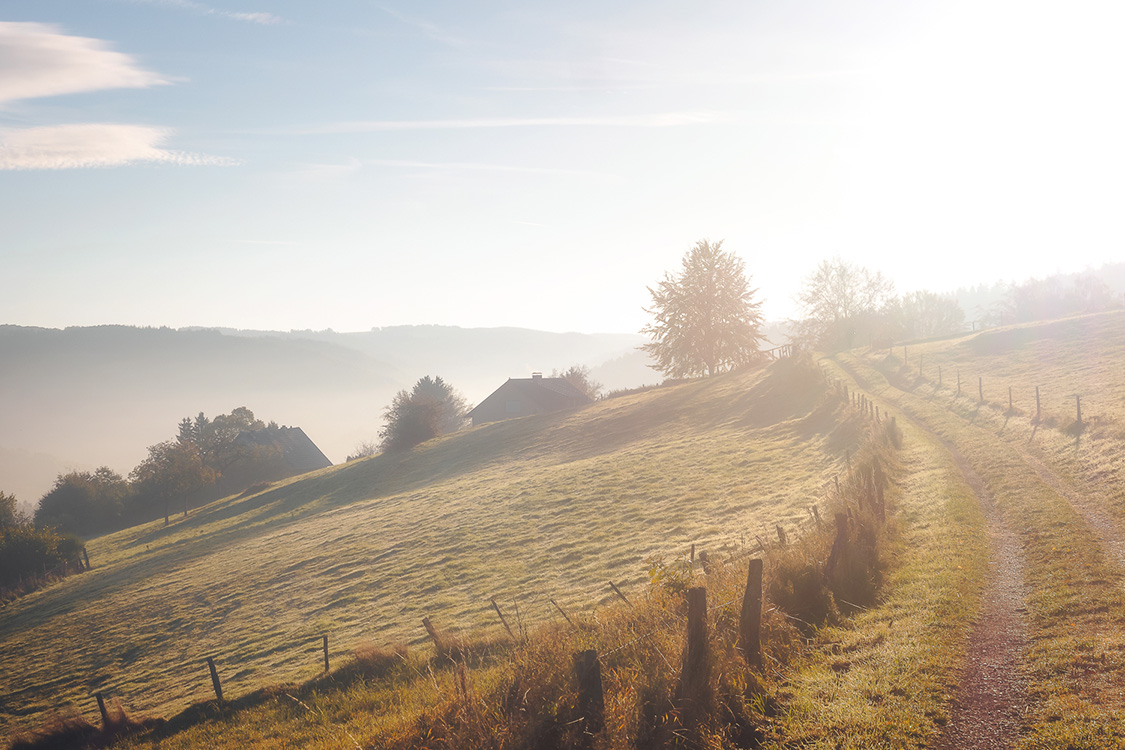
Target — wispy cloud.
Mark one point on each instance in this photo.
(38, 60)
(93, 145)
(659, 120)
(478, 167)
(265, 19)
(431, 30)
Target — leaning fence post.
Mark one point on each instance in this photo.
(502, 620)
(618, 592)
(86, 558)
(750, 622)
(591, 702)
(429, 626)
(562, 612)
(215, 679)
(102, 710)
(326, 653)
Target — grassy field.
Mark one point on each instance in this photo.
(550, 506)
(1059, 485)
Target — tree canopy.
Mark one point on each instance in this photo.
(431, 408)
(842, 303)
(706, 319)
(579, 377)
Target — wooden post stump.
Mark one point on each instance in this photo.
(1078, 403)
(326, 654)
(102, 710)
(781, 535)
(750, 621)
(695, 679)
(591, 701)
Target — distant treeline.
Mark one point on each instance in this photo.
(847, 305)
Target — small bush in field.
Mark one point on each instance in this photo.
(800, 589)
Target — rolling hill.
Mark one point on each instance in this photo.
(546, 507)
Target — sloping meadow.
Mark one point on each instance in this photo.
(527, 511)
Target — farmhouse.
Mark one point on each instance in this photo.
(522, 396)
(298, 454)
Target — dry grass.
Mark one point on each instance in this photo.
(538, 508)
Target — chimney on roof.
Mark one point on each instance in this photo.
(536, 375)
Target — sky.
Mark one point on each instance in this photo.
(346, 164)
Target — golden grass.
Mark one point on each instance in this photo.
(545, 507)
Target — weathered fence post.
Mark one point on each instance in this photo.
(980, 387)
(591, 701)
(439, 645)
(215, 679)
(1037, 403)
(695, 678)
(326, 654)
(1078, 403)
(562, 612)
(705, 561)
(816, 515)
(750, 622)
(958, 382)
(102, 710)
(838, 544)
(86, 558)
(691, 557)
(618, 592)
(503, 621)
(781, 535)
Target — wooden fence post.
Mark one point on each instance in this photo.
(1037, 403)
(591, 701)
(562, 612)
(215, 679)
(326, 654)
(502, 620)
(86, 558)
(1078, 403)
(695, 678)
(429, 626)
(618, 592)
(102, 710)
(781, 535)
(750, 622)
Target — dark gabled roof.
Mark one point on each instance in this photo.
(299, 453)
(547, 394)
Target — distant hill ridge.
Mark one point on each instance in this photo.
(81, 397)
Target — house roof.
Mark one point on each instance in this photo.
(546, 394)
(297, 450)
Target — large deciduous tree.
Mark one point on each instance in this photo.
(706, 319)
(431, 408)
(842, 304)
(84, 502)
(173, 469)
